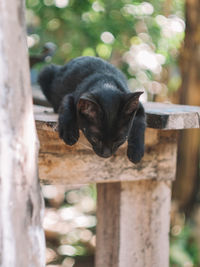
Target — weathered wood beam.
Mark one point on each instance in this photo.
(159, 116)
(133, 200)
(60, 164)
(133, 224)
(21, 235)
(171, 116)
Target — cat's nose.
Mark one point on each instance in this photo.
(106, 152)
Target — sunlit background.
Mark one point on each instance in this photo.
(136, 36)
(144, 40)
(69, 224)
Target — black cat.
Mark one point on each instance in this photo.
(92, 95)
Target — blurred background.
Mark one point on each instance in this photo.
(157, 45)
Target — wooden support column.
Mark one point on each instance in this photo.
(133, 224)
(133, 209)
(22, 241)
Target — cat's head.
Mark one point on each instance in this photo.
(106, 119)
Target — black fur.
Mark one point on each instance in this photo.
(92, 95)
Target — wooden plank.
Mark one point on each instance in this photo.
(133, 224)
(170, 116)
(78, 164)
(159, 116)
(60, 163)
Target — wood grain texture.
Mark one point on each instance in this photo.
(133, 208)
(170, 116)
(21, 235)
(108, 229)
(159, 116)
(59, 163)
(78, 164)
(133, 224)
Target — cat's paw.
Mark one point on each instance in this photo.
(135, 153)
(70, 135)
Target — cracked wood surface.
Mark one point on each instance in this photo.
(22, 242)
(78, 164)
(133, 224)
(60, 163)
(133, 207)
(159, 116)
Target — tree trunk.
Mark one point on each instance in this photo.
(21, 235)
(187, 181)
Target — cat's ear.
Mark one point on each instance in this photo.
(88, 106)
(131, 102)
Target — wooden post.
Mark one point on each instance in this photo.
(133, 224)
(133, 209)
(21, 235)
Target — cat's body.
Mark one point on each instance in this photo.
(92, 95)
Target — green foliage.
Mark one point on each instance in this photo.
(79, 25)
(135, 35)
(183, 248)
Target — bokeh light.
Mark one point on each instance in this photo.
(107, 37)
(61, 3)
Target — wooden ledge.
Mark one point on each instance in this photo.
(78, 164)
(159, 116)
(172, 117)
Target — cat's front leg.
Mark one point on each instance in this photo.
(135, 150)
(67, 122)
